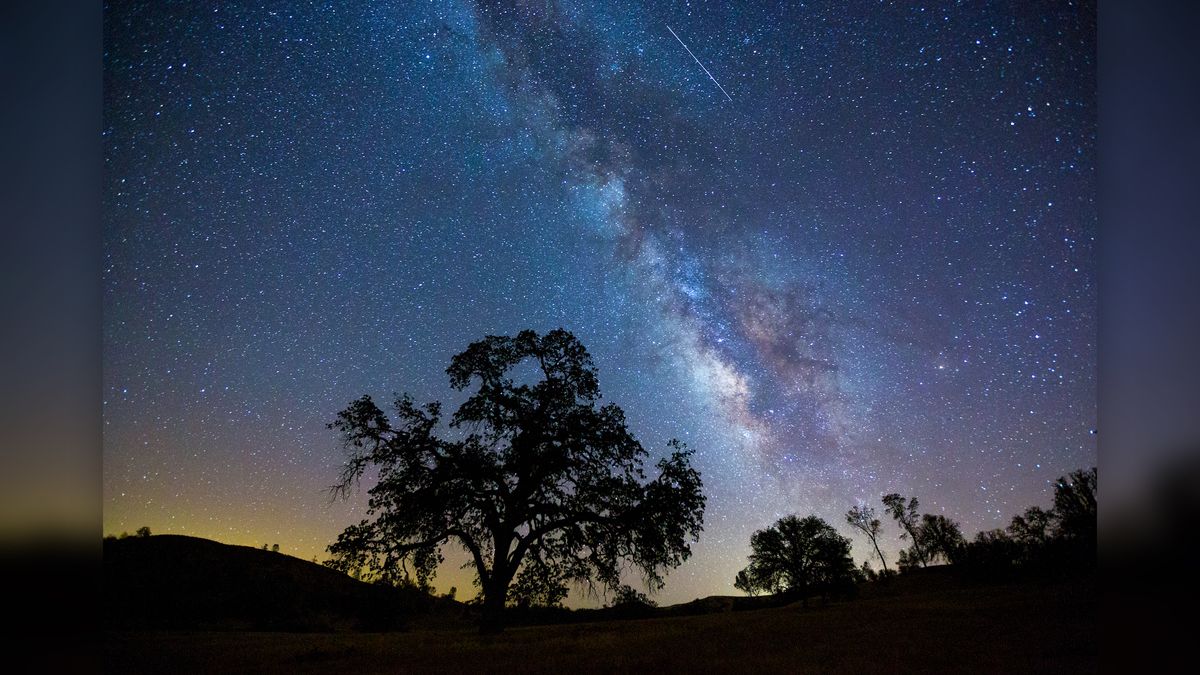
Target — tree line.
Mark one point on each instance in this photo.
(807, 556)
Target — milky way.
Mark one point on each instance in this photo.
(867, 269)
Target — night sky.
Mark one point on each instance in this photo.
(868, 267)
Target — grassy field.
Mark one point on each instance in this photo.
(935, 627)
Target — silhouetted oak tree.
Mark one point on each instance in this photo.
(538, 482)
(799, 556)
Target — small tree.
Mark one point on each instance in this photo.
(1030, 534)
(798, 556)
(743, 583)
(628, 595)
(862, 518)
(143, 531)
(905, 513)
(536, 481)
(941, 537)
(1032, 528)
(275, 548)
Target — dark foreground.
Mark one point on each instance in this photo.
(937, 627)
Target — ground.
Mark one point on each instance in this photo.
(937, 627)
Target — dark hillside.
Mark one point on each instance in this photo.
(178, 582)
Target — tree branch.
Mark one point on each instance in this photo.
(471, 546)
(523, 543)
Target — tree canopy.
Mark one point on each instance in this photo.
(862, 518)
(906, 515)
(1032, 528)
(541, 484)
(932, 536)
(940, 537)
(1075, 505)
(800, 556)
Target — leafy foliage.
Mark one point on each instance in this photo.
(1032, 528)
(745, 584)
(538, 585)
(1075, 505)
(799, 556)
(992, 553)
(539, 482)
(933, 537)
(940, 537)
(628, 595)
(904, 511)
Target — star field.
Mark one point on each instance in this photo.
(872, 271)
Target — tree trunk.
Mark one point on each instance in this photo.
(880, 554)
(917, 548)
(495, 592)
(494, 599)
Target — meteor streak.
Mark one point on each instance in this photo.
(714, 80)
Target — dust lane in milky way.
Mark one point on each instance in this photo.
(870, 270)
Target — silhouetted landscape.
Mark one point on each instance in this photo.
(750, 337)
(548, 492)
(237, 609)
(172, 582)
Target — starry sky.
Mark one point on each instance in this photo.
(845, 249)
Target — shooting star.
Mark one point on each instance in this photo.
(714, 80)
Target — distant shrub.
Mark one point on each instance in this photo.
(745, 584)
(628, 595)
(143, 531)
